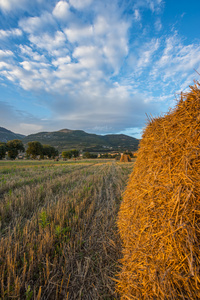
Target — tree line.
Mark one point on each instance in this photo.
(12, 148)
(34, 149)
(71, 153)
(37, 150)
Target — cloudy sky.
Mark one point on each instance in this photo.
(97, 65)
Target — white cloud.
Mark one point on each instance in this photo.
(89, 56)
(176, 59)
(61, 61)
(100, 110)
(158, 25)
(115, 42)
(36, 25)
(6, 61)
(8, 5)
(104, 41)
(33, 55)
(153, 5)
(80, 4)
(49, 42)
(29, 66)
(28, 75)
(147, 52)
(101, 26)
(137, 15)
(6, 53)
(10, 33)
(61, 10)
(79, 34)
(72, 72)
(98, 50)
(27, 128)
(3, 33)
(4, 65)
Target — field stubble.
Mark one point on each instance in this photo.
(58, 229)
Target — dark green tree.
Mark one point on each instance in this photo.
(75, 152)
(104, 155)
(54, 152)
(86, 155)
(67, 154)
(3, 149)
(34, 149)
(50, 151)
(46, 151)
(89, 155)
(14, 147)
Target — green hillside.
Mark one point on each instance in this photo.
(7, 135)
(68, 139)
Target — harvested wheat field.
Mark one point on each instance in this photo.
(159, 219)
(58, 234)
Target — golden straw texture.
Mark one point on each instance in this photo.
(125, 158)
(159, 218)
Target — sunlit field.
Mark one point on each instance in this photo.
(58, 229)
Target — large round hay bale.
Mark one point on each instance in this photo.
(159, 219)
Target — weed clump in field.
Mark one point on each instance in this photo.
(159, 217)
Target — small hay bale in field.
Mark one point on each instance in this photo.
(125, 158)
(159, 218)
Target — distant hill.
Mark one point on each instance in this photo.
(7, 135)
(66, 139)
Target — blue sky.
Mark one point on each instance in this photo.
(96, 65)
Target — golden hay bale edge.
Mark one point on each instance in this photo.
(159, 219)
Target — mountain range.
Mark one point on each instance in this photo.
(7, 135)
(67, 139)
